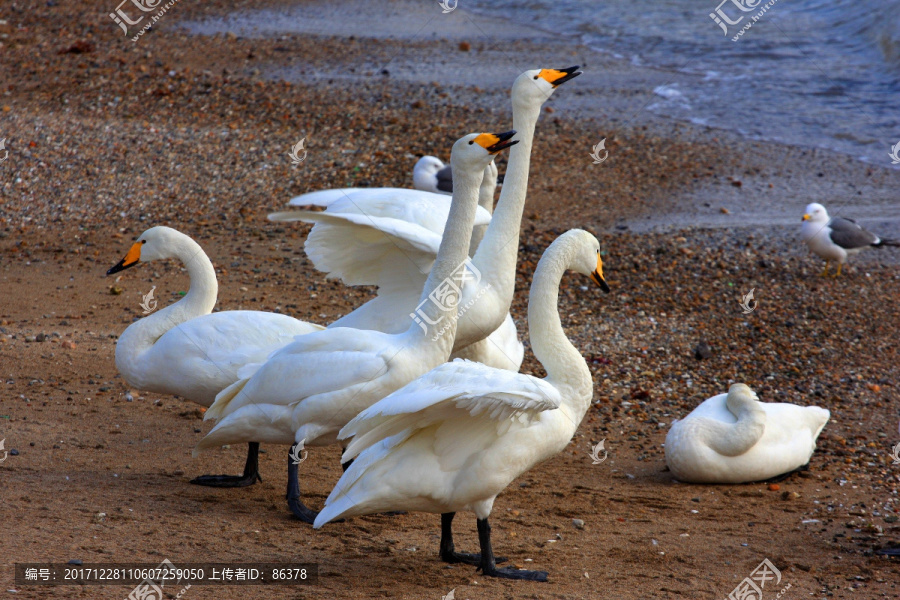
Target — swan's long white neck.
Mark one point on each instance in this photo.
(566, 368)
(200, 299)
(497, 252)
(453, 251)
(485, 201)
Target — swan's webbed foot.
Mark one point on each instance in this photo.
(488, 564)
(513, 573)
(249, 477)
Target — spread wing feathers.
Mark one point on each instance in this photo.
(459, 390)
(848, 235)
(365, 234)
(318, 364)
(445, 180)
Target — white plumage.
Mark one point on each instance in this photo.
(457, 436)
(735, 438)
(309, 389)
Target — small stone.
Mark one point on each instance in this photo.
(774, 487)
(30, 338)
(68, 345)
(13, 452)
(578, 523)
(702, 351)
(40, 337)
(465, 46)
(115, 290)
(76, 561)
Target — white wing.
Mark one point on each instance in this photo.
(377, 236)
(449, 392)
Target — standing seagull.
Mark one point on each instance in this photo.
(834, 238)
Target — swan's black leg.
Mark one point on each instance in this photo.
(488, 564)
(297, 507)
(347, 464)
(250, 476)
(448, 553)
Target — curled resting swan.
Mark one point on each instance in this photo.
(187, 350)
(400, 272)
(306, 391)
(836, 238)
(735, 438)
(456, 437)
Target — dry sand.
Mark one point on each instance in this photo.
(108, 137)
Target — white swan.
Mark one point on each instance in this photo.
(459, 435)
(835, 238)
(735, 438)
(187, 350)
(305, 392)
(400, 270)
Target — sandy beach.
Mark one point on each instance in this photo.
(191, 126)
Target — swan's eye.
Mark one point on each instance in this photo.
(143, 241)
(536, 77)
(471, 142)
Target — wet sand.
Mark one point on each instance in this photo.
(193, 132)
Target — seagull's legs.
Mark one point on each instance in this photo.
(838, 274)
(488, 564)
(299, 510)
(250, 476)
(447, 552)
(825, 272)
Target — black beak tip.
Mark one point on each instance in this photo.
(119, 266)
(604, 286)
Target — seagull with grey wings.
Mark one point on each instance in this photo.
(836, 238)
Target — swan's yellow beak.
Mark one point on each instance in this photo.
(557, 77)
(597, 275)
(132, 258)
(806, 217)
(495, 142)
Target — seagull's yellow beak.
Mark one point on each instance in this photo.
(597, 275)
(557, 77)
(806, 217)
(132, 258)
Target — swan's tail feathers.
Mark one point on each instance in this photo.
(223, 398)
(821, 417)
(262, 423)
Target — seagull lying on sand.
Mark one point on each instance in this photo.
(835, 238)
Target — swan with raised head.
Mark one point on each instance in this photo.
(305, 392)
(397, 259)
(735, 438)
(187, 350)
(456, 437)
(836, 238)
